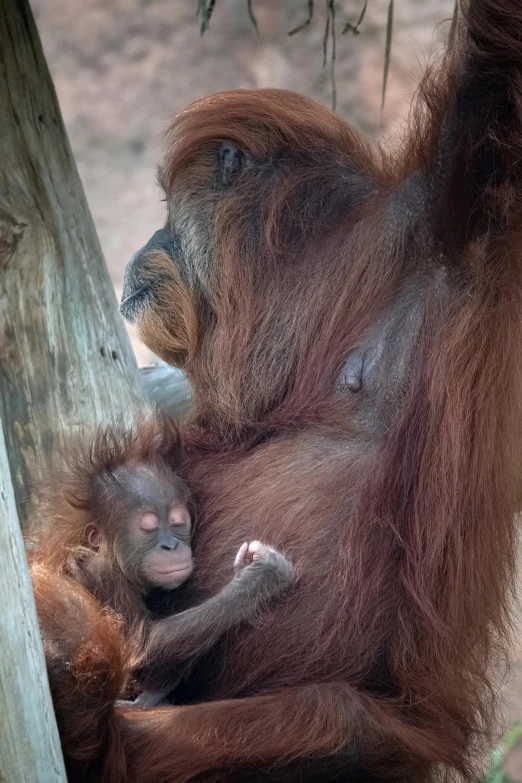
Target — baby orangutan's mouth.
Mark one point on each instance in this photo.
(169, 578)
(177, 570)
(180, 569)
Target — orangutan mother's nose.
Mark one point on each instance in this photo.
(136, 283)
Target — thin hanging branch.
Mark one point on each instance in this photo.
(329, 35)
(354, 28)
(387, 51)
(252, 16)
(454, 26)
(326, 35)
(201, 11)
(205, 9)
(307, 21)
(205, 12)
(331, 9)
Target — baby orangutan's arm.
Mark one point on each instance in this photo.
(261, 573)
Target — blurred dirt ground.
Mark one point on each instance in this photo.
(123, 68)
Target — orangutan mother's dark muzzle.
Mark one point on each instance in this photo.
(138, 283)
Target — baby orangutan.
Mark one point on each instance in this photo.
(122, 529)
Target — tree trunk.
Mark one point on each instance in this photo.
(65, 360)
(29, 744)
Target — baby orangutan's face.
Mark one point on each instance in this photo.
(151, 540)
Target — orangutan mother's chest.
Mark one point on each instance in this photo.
(294, 495)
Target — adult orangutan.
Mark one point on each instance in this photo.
(350, 320)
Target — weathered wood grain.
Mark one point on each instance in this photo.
(65, 360)
(29, 743)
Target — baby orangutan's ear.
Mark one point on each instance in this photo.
(92, 536)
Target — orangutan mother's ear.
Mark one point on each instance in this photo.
(231, 160)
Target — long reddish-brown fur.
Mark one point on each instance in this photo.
(88, 662)
(397, 502)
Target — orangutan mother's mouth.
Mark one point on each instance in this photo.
(130, 304)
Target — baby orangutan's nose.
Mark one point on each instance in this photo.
(170, 546)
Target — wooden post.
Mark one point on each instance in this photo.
(167, 388)
(65, 360)
(29, 744)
